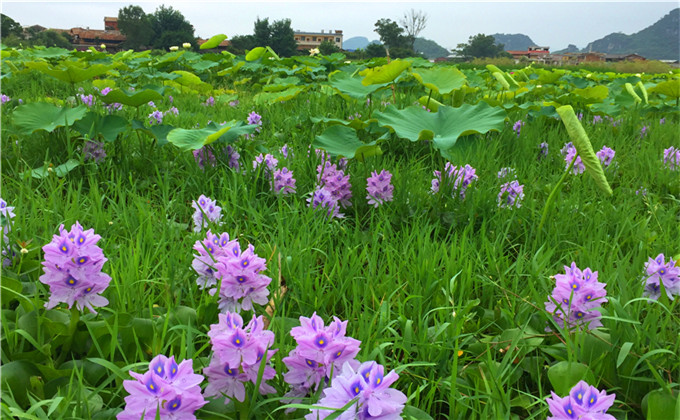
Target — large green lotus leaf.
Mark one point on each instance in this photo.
(547, 77)
(70, 71)
(593, 93)
(442, 80)
(197, 138)
(135, 99)
(356, 123)
(443, 127)
(263, 54)
(430, 103)
(384, 74)
(584, 147)
(213, 42)
(60, 170)
(339, 140)
(203, 65)
(670, 88)
(274, 97)
(352, 86)
(166, 59)
(51, 52)
(606, 108)
(232, 69)
(108, 126)
(42, 116)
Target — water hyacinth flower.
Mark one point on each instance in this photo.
(641, 191)
(332, 178)
(517, 127)
(173, 110)
(255, 119)
(606, 155)
(671, 158)
(105, 91)
(583, 402)
(4, 98)
(269, 161)
(94, 150)
(542, 150)
(511, 195)
(167, 390)
(209, 102)
(379, 188)
(6, 214)
(597, 119)
(238, 352)
(662, 121)
(73, 269)
(319, 355)
(283, 182)
(659, 271)
(370, 387)
(234, 103)
(87, 100)
(506, 172)
(204, 156)
(576, 297)
(207, 210)
(156, 117)
(323, 198)
(644, 131)
(460, 177)
(232, 158)
(569, 151)
(286, 151)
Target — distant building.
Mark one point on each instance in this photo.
(309, 40)
(623, 57)
(83, 38)
(533, 53)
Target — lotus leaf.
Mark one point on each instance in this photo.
(384, 74)
(42, 116)
(442, 80)
(339, 140)
(197, 138)
(70, 71)
(274, 97)
(135, 99)
(352, 86)
(213, 42)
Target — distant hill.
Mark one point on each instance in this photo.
(514, 42)
(570, 49)
(357, 42)
(659, 41)
(430, 48)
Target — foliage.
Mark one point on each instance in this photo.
(170, 28)
(135, 24)
(392, 35)
(414, 23)
(481, 45)
(327, 47)
(240, 43)
(375, 50)
(9, 26)
(429, 48)
(278, 35)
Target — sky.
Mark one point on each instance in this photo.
(547, 23)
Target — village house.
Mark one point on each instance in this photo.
(309, 40)
(533, 53)
(84, 38)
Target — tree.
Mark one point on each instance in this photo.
(136, 26)
(375, 50)
(391, 34)
(414, 23)
(262, 32)
(327, 47)
(9, 26)
(481, 45)
(240, 43)
(170, 28)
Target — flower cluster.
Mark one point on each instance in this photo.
(73, 269)
(333, 189)
(569, 151)
(379, 187)
(209, 102)
(207, 210)
(241, 272)
(507, 172)
(370, 387)
(576, 297)
(597, 119)
(270, 162)
(659, 271)
(254, 119)
(94, 150)
(583, 402)
(517, 127)
(6, 213)
(644, 131)
(237, 356)
(606, 156)
(283, 181)
(204, 156)
(87, 100)
(460, 177)
(542, 150)
(169, 390)
(671, 158)
(4, 98)
(285, 151)
(156, 117)
(511, 195)
(320, 354)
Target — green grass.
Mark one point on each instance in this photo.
(420, 279)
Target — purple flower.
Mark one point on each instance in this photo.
(270, 162)
(285, 151)
(171, 99)
(234, 103)
(671, 158)
(662, 121)
(238, 352)
(580, 116)
(4, 98)
(659, 271)
(334, 180)
(644, 131)
(356, 115)
(319, 356)
(370, 387)
(597, 119)
(210, 101)
(606, 155)
(283, 181)
(379, 187)
(72, 269)
(156, 117)
(254, 119)
(207, 210)
(576, 298)
(6, 214)
(233, 157)
(204, 156)
(151, 104)
(583, 402)
(517, 127)
(543, 150)
(323, 198)
(506, 172)
(173, 110)
(511, 195)
(93, 150)
(167, 389)
(569, 151)
(106, 91)
(641, 191)
(459, 177)
(87, 100)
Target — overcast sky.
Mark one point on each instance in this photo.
(553, 24)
